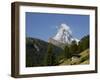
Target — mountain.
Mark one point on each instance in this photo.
(63, 36)
(36, 51)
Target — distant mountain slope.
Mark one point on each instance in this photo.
(36, 50)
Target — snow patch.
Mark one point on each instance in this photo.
(64, 34)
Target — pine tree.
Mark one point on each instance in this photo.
(67, 52)
(83, 44)
(73, 48)
(79, 47)
(48, 61)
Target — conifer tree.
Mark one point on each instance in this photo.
(67, 52)
(73, 47)
(48, 61)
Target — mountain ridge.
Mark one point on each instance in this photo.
(63, 36)
(36, 51)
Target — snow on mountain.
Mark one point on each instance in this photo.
(64, 35)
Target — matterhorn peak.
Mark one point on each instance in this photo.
(64, 34)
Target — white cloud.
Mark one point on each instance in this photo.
(66, 27)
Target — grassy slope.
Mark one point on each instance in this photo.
(84, 59)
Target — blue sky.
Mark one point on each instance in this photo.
(43, 25)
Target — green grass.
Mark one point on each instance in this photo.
(85, 62)
(84, 56)
(84, 59)
(66, 62)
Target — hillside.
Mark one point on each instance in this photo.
(83, 59)
(42, 53)
(36, 51)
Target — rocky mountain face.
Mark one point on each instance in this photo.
(63, 36)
